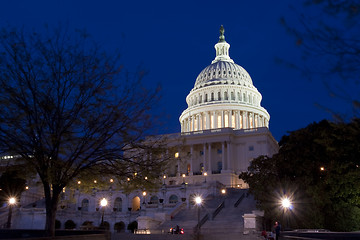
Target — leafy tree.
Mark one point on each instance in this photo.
(327, 33)
(69, 110)
(318, 169)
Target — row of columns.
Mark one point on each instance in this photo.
(220, 119)
(206, 158)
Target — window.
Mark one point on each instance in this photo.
(85, 205)
(232, 96)
(219, 166)
(206, 98)
(212, 96)
(118, 205)
(251, 148)
(219, 151)
(173, 199)
(154, 200)
(225, 95)
(219, 96)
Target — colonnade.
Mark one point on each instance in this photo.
(219, 119)
(205, 162)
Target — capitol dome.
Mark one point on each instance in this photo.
(223, 96)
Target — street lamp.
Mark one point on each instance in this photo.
(286, 205)
(11, 202)
(198, 201)
(205, 174)
(103, 204)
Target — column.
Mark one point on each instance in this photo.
(253, 120)
(200, 122)
(244, 120)
(192, 123)
(230, 118)
(229, 156)
(191, 160)
(204, 157)
(209, 170)
(237, 120)
(207, 120)
(215, 120)
(222, 119)
(178, 164)
(223, 156)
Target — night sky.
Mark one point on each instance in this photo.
(174, 41)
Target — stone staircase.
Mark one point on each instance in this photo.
(228, 219)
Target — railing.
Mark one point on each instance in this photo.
(239, 200)
(218, 209)
(202, 222)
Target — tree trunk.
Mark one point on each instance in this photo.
(51, 202)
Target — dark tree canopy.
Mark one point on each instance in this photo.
(68, 108)
(327, 33)
(317, 167)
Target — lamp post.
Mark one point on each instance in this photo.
(205, 174)
(198, 201)
(11, 202)
(286, 205)
(103, 204)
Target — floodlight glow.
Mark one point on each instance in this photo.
(12, 201)
(286, 203)
(198, 200)
(103, 202)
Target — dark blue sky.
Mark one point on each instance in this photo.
(174, 41)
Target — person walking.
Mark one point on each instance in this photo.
(277, 230)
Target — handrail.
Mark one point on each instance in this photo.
(218, 209)
(202, 222)
(239, 200)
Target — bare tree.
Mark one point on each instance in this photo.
(327, 32)
(67, 108)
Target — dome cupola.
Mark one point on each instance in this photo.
(223, 96)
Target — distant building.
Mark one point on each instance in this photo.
(222, 130)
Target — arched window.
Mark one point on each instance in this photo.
(206, 97)
(118, 205)
(154, 200)
(212, 96)
(244, 97)
(173, 199)
(219, 96)
(226, 96)
(85, 205)
(200, 101)
(232, 96)
(239, 96)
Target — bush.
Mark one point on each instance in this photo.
(69, 224)
(119, 226)
(132, 226)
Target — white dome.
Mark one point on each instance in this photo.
(223, 72)
(223, 96)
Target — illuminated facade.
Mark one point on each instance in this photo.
(222, 130)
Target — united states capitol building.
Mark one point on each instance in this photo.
(223, 128)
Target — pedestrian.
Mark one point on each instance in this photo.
(277, 230)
